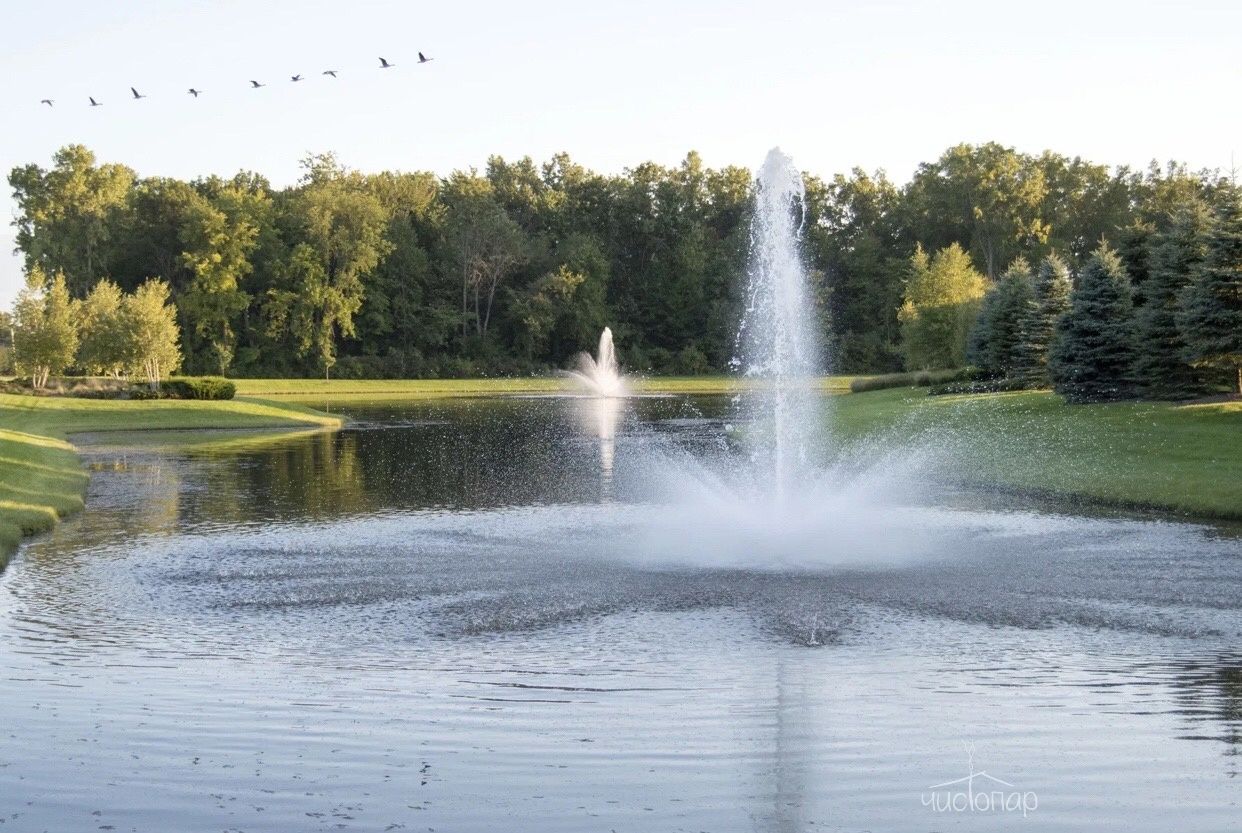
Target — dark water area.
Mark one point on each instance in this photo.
(488, 615)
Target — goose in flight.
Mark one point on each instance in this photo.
(254, 85)
(423, 59)
(137, 95)
(47, 101)
(385, 65)
(331, 72)
(95, 103)
(194, 92)
(297, 77)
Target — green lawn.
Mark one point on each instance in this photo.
(344, 390)
(41, 477)
(1186, 458)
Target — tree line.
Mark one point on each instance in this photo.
(515, 268)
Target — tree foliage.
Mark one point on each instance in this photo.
(939, 306)
(1093, 351)
(45, 334)
(1211, 317)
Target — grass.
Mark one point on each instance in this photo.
(345, 390)
(41, 476)
(1183, 458)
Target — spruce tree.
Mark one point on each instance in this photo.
(1161, 368)
(1092, 356)
(1211, 316)
(1052, 289)
(994, 339)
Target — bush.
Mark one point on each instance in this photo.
(979, 386)
(198, 387)
(913, 379)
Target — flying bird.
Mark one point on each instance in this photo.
(385, 65)
(137, 95)
(423, 59)
(194, 92)
(295, 78)
(95, 103)
(254, 85)
(46, 101)
(331, 72)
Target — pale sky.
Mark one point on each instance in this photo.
(836, 83)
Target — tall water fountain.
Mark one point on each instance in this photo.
(777, 345)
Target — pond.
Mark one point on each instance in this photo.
(456, 615)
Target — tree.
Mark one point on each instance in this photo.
(68, 215)
(153, 337)
(45, 333)
(1161, 368)
(941, 301)
(1052, 289)
(997, 331)
(339, 224)
(1211, 317)
(104, 347)
(1092, 356)
(217, 244)
(989, 195)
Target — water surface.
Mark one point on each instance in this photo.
(447, 617)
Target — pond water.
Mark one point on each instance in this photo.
(453, 616)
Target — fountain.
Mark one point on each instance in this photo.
(600, 376)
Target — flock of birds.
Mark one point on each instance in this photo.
(254, 85)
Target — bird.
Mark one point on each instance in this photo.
(423, 59)
(254, 85)
(194, 92)
(295, 77)
(46, 101)
(95, 103)
(331, 72)
(137, 95)
(385, 65)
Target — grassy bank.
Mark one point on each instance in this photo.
(1184, 458)
(41, 477)
(347, 390)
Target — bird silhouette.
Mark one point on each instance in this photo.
(385, 65)
(254, 85)
(47, 101)
(423, 59)
(331, 72)
(137, 95)
(95, 103)
(295, 78)
(194, 92)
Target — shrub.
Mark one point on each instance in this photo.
(917, 378)
(198, 387)
(979, 386)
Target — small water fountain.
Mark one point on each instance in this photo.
(600, 376)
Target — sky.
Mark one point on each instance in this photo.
(836, 83)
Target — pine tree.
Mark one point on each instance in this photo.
(1051, 300)
(993, 344)
(1211, 317)
(1161, 368)
(1092, 356)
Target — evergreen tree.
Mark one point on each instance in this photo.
(993, 345)
(1161, 368)
(1051, 300)
(1092, 355)
(1211, 318)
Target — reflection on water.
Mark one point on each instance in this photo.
(436, 619)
